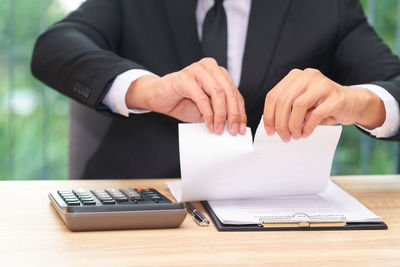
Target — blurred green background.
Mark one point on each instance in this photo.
(34, 118)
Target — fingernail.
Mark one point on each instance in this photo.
(296, 136)
(270, 131)
(235, 128)
(285, 139)
(220, 128)
(243, 128)
(210, 127)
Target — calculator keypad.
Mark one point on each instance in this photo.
(69, 198)
(111, 196)
(117, 195)
(104, 197)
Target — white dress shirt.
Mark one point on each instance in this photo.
(237, 14)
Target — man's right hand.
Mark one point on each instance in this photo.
(200, 92)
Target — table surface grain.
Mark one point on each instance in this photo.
(32, 234)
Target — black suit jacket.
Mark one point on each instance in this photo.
(81, 56)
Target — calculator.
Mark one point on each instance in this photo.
(108, 209)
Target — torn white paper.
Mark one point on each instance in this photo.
(231, 167)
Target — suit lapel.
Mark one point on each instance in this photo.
(265, 24)
(182, 18)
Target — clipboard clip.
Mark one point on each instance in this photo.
(302, 220)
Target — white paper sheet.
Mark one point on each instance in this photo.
(333, 201)
(231, 167)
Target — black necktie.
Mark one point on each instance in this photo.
(215, 34)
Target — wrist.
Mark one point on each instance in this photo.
(372, 113)
(139, 92)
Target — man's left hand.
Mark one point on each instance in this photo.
(305, 99)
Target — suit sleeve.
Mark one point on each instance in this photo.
(361, 56)
(78, 55)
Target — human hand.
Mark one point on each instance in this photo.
(305, 99)
(200, 92)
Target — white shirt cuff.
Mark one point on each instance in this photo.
(115, 98)
(391, 125)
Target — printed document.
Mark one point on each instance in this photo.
(332, 202)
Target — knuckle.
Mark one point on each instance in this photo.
(299, 103)
(209, 61)
(223, 69)
(268, 120)
(281, 129)
(271, 96)
(294, 127)
(234, 115)
(325, 82)
(219, 91)
(312, 71)
(231, 91)
(208, 116)
(195, 67)
(318, 115)
(203, 98)
(220, 116)
(294, 71)
(282, 102)
(184, 74)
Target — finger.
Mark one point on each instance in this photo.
(236, 111)
(191, 89)
(212, 88)
(284, 106)
(243, 120)
(217, 94)
(298, 97)
(322, 112)
(270, 107)
(224, 89)
(315, 92)
(282, 123)
(300, 112)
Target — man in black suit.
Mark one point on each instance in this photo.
(161, 62)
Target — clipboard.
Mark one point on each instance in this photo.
(295, 224)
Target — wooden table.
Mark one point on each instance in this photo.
(31, 234)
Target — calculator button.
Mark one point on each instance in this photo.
(67, 199)
(121, 199)
(108, 202)
(86, 198)
(79, 191)
(88, 202)
(106, 198)
(73, 203)
(101, 194)
(115, 193)
(83, 196)
(67, 195)
(64, 191)
(130, 193)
